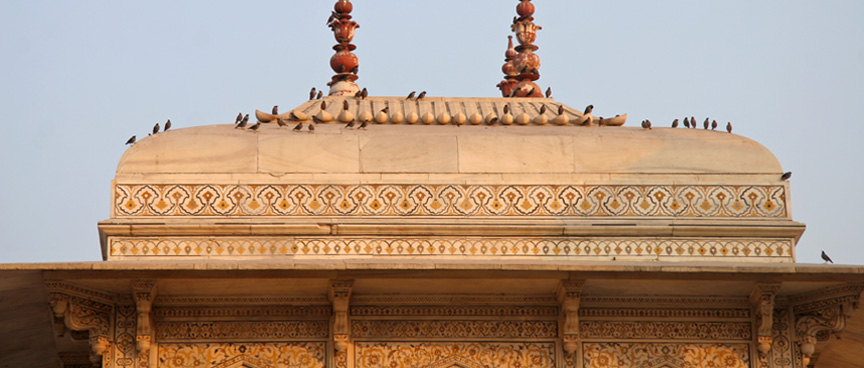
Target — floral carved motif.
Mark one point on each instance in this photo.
(241, 330)
(664, 355)
(454, 311)
(666, 330)
(449, 200)
(444, 355)
(453, 329)
(230, 355)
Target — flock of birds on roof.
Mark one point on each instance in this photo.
(691, 123)
(156, 127)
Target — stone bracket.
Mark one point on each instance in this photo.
(821, 314)
(340, 295)
(569, 297)
(144, 293)
(82, 309)
(762, 301)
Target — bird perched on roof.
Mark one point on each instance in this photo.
(506, 109)
(826, 258)
(239, 117)
(786, 176)
(675, 123)
(560, 109)
(587, 115)
(255, 127)
(243, 122)
(167, 125)
(319, 95)
(333, 16)
(317, 120)
(281, 122)
(156, 128)
(530, 92)
(693, 122)
(411, 95)
(386, 109)
(345, 105)
(421, 96)
(549, 92)
(713, 124)
(312, 93)
(275, 110)
(686, 122)
(323, 105)
(364, 93)
(705, 124)
(542, 109)
(298, 127)
(646, 124)
(729, 127)
(131, 140)
(363, 124)
(311, 128)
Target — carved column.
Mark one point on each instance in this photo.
(762, 301)
(144, 292)
(822, 314)
(569, 295)
(340, 296)
(80, 309)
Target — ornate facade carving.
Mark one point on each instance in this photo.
(460, 354)
(454, 311)
(240, 330)
(231, 355)
(822, 314)
(663, 330)
(453, 329)
(340, 296)
(723, 201)
(762, 300)
(81, 309)
(144, 292)
(665, 355)
(569, 295)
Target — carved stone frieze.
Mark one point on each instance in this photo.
(666, 355)
(663, 313)
(165, 301)
(179, 313)
(235, 355)
(458, 354)
(665, 330)
(241, 330)
(451, 329)
(424, 300)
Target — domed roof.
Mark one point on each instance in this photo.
(468, 150)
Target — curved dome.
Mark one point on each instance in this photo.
(465, 150)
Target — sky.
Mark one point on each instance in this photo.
(78, 78)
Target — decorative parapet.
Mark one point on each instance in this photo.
(80, 309)
(822, 314)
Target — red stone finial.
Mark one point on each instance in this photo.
(526, 63)
(510, 72)
(344, 62)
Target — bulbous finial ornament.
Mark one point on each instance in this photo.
(523, 65)
(344, 62)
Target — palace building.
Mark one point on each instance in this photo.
(358, 231)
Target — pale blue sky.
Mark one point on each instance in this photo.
(77, 78)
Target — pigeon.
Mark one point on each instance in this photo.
(156, 128)
(421, 95)
(255, 127)
(363, 125)
(786, 176)
(167, 125)
(549, 92)
(131, 140)
(542, 109)
(319, 95)
(729, 127)
(713, 124)
(298, 127)
(675, 123)
(281, 122)
(411, 95)
(311, 128)
(705, 124)
(364, 93)
(646, 124)
(312, 94)
(345, 105)
(275, 110)
(686, 122)
(826, 258)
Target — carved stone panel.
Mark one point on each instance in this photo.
(665, 355)
(229, 355)
(445, 355)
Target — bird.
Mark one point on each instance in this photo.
(255, 127)
(549, 92)
(600, 123)
(363, 125)
(675, 123)
(493, 121)
(693, 122)
(323, 105)
(542, 109)
(239, 117)
(686, 122)
(316, 120)
(355, 70)
(350, 124)
(333, 16)
(587, 121)
(421, 95)
(364, 93)
(560, 109)
(345, 105)
(298, 127)
(131, 140)
(729, 127)
(588, 109)
(646, 124)
(243, 122)
(156, 128)
(705, 124)
(293, 116)
(167, 125)
(786, 176)
(275, 110)
(530, 92)
(281, 122)
(386, 110)
(312, 94)
(311, 128)
(587, 114)
(319, 95)
(826, 258)
(411, 95)
(506, 109)
(713, 124)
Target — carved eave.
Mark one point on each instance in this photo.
(83, 309)
(821, 314)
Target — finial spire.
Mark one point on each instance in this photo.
(525, 64)
(344, 62)
(510, 72)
